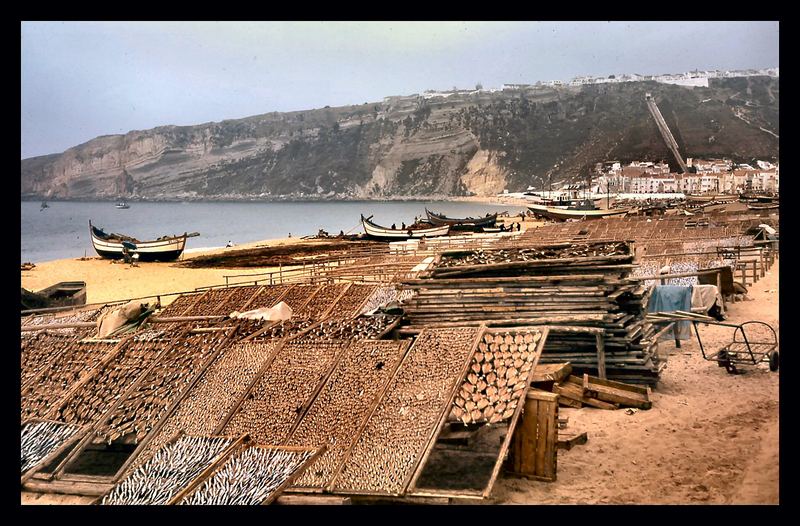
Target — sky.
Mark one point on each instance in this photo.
(80, 80)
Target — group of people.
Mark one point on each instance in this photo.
(511, 228)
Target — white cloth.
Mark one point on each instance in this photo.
(279, 312)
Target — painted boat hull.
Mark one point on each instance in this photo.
(168, 249)
(440, 220)
(378, 232)
(708, 198)
(564, 213)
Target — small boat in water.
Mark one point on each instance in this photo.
(44, 205)
(122, 205)
(468, 223)
(396, 234)
(111, 246)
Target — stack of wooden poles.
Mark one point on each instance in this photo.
(581, 290)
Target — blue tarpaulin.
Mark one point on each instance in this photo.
(669, 298)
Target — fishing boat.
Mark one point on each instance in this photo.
(707, 198)
(584, 210)
(166, 248)
(469, 223)
(63, 294)
(394, 234)
(763, 206)
(122, 205)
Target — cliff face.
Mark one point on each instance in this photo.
(407, 146)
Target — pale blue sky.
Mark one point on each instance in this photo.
(84, 79)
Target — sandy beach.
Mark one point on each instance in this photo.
(108, 281)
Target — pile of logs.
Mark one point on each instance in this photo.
(497, 377)
(581, 287)
(590, 391)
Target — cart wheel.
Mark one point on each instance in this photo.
(774, 360)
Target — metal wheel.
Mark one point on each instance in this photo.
(774, 360)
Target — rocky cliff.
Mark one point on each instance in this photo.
(479, 143)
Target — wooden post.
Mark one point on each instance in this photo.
(755, 271)
(761, 261)
(533, 449)
(601, 355)
(719, 281)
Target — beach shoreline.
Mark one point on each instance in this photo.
(109, 281)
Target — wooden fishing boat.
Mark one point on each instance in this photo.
(763, 206)
(63, 294)
(707, 198)
(466, 223)
(564, 213)
(167, 248)
(395, 234)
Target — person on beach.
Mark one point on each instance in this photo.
(394, 227)
(403, 225)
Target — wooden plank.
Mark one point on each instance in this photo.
(68, 488)
(576, 393)
(615, 392)
(313, 500)
(546, 447)
(551, 372)
(594, 381)
(567, 440)
(601, 355)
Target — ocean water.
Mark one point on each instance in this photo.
(62, 230)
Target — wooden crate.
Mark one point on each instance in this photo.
(533, 447)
